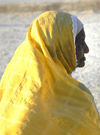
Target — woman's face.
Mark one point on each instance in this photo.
(81, 48)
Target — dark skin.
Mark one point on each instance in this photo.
(81, 48)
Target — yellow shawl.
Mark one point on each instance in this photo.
(38, 96)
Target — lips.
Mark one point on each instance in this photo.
(81, 62)
(82, 59)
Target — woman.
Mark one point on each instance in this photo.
(38, 95)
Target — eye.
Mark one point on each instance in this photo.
(80, 44)
(79, 47)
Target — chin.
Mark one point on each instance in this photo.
(82, 64)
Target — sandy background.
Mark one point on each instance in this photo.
(15, 19)
(44, 5)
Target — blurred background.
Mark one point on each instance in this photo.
(17, 15)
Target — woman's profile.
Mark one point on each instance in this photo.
(38, 96)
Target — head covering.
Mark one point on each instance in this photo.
(38, 95)
(77, 26)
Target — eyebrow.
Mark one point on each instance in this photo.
(83, 37)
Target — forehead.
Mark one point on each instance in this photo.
(81, 35)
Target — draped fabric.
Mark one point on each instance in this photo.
(38, 96)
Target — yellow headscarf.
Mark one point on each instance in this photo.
(38, 95)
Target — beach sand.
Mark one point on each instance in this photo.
(13, 28)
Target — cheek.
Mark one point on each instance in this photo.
(79, 54)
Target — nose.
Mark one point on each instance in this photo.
(86, 48)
